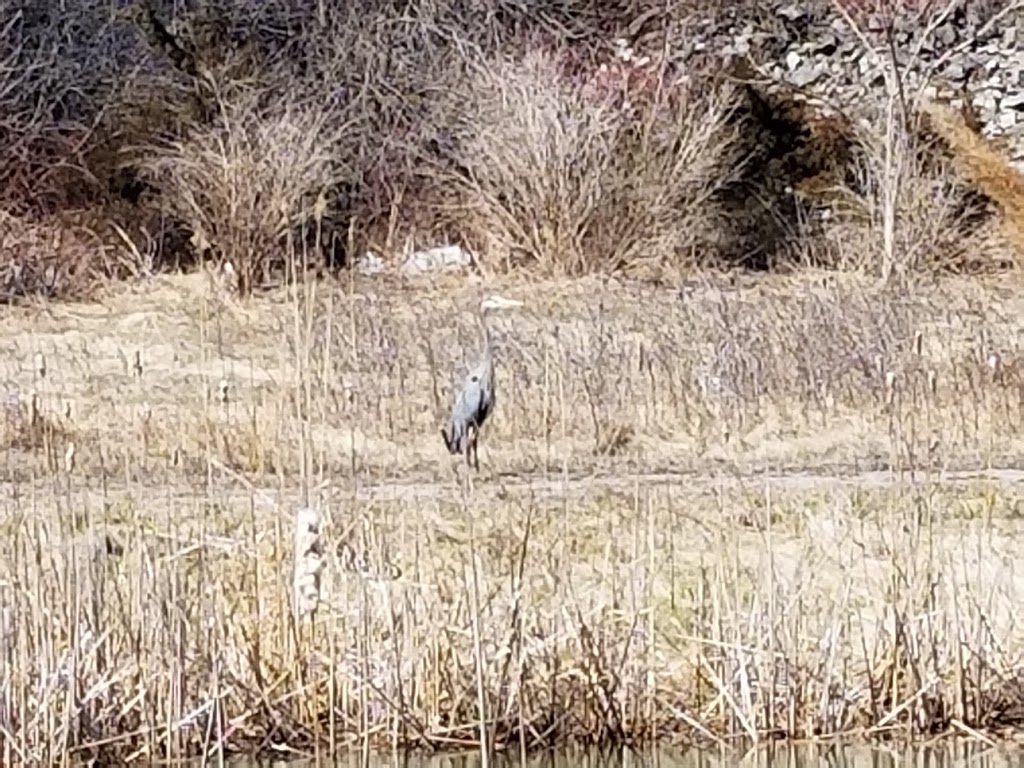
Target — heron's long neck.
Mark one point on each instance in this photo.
(485, 330)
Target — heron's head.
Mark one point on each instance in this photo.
(491, 305)
(495, 302)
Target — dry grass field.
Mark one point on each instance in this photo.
(753, 466)
(711, 509)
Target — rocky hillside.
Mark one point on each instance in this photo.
(966, 54)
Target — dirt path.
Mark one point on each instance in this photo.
(537, 486)
(555, 486)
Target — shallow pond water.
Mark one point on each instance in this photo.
(945, 754)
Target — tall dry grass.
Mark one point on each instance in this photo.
(603, 579)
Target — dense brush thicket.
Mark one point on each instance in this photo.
(143, 134)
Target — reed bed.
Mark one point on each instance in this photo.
(720, 510)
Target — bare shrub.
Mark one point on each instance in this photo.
(60, 65)
(558, 177)
(47, 258)
(254, 176)
(909, 193)
(393, 72)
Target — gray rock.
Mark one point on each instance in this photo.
(791, 12)
(369, 263)
(806, 75)
(985, 100)
(442, 257)
(954, 71)
(1012, 101)
(826, 45)
(1006, 119)
(740, 47)
(945, 35)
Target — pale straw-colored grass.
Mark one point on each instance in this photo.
(704, 512)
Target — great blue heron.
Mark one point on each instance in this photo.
(474, 402)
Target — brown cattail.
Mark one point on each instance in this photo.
(34, 408)
(918, 343)
(40, 365)
(995, 363)
(933, 381)
(308, 564)
(229, 278)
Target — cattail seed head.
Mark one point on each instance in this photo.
(320, 207)
(34, 408)
(40, 365)
(137, 365)
(933, 381)
(918, 343)
(222, 391)
(890, 386)
(308, 565)
(228, 278)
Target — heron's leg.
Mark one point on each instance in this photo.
(474, 434)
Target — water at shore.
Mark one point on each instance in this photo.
(945, 754)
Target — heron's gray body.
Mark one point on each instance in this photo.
(473, 405)
(474, 402)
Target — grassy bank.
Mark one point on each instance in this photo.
(711, 507)
(705, 512)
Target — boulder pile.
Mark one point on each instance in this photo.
(968, 55)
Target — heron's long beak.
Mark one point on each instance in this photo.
(499, 302)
